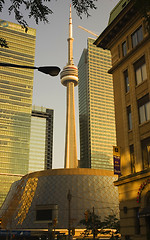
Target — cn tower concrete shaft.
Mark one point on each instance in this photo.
(71, 146)
(69, 78)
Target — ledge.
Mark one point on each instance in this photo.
(133, 177)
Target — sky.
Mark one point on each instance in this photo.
(52, 49)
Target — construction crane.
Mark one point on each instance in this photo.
(88, 31)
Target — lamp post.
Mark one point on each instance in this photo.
(51, 70)
(69, 197)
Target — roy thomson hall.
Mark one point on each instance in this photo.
(128, 40)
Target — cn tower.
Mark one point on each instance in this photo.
(69, 78)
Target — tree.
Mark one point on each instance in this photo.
(39, 11)
(92, 223)
(111, 223)
(3, 43)
(95, 226)
(144, 8)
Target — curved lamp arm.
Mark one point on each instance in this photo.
(51, 70)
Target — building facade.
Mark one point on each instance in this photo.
(15, 103)
(96, 108)
(41, 139)
(34, 201)
(129, 42)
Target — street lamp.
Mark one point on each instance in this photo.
(51, 70)
(69, 197)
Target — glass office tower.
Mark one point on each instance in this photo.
(41, 139)
(15, 103)
(96, 108)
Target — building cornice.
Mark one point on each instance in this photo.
(133, 177)
(116, 26)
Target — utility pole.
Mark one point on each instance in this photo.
(93, 224)
(69, 197)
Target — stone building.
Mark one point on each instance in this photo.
(129, 42)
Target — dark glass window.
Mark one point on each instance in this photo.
(129, 117)
(119, 51)
(132, 158)
(144, 109)
(140, 70)
(44, 215)
(137, 36)
(137, 221)
(126, 80)
(145, 144)
(124, 48)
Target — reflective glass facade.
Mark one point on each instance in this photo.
(88, 187)
(41, 139)
(15, 103)
(96, 108)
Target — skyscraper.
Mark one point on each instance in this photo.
(96, 108)
(15, 103)
(41, 139)
(69, 78)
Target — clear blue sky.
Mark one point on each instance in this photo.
(51, 49)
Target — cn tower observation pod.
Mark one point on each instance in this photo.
(69, 74)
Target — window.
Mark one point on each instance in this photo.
(124, 48)
(145, 145)
(44, 215)
(132, 158)
(129, 117)
(144, 109)
(137, 221)
(140, 70)
(118, 51)
(137, 37)
(126, 80)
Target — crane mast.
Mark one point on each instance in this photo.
(88, 31)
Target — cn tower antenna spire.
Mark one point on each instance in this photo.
(69, 78)
(70, 41)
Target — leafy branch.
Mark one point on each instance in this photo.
(3, 43)
(39, 11)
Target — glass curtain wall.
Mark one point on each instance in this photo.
(15, 103)
(96, 108)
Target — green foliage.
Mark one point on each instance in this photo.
(143, 6)
(112, 222)
(1, 4)
(92, 223)
(36, 9)
(93, 220)
(95, 226)
(3, 43)
(83, 6)
(39, 11)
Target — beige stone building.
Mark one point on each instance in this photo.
(127, 39)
